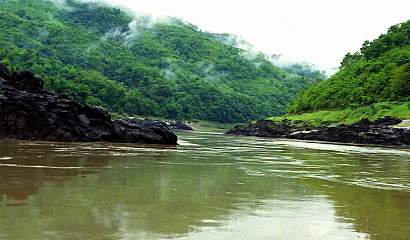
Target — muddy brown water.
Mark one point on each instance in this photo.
(211, 186)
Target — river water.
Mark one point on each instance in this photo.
(211, 186)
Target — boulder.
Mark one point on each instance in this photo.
(387, 121)
(263, 128)
(170, 125)
(179, 125)
(28, 81)
(4, 72)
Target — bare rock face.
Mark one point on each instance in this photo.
(28, 112)
(263, 128)
(380, 132)
(180, 125)
(4, 72)
(168, 124)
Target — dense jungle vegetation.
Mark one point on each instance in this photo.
(101, 55)
(372, 82)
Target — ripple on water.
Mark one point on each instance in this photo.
(38, 166)
(344, 149)
(187, 143)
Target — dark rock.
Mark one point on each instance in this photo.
(129, 131)
(4, 72)
(363, 123)
(97, 113)
(28, 81)
(387, 121)
(179, 125)
(363, 132)
(30, 113)
(64, 96)
(263, 128)
(149, 122)
(170, 125)
(84, 119)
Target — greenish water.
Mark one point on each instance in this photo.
(210, 187)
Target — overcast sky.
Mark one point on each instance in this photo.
(317, 31)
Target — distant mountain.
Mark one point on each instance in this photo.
(102, 55)
(379, 72)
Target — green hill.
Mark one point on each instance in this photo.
(106, 56)
(380, 72)
(372, 83)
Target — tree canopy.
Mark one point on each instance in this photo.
(102, 55)
(379, 72)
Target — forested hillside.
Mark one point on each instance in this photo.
(379, 72)
(105, 56)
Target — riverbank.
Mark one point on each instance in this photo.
(385, 131)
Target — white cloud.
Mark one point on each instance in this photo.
(318, 31)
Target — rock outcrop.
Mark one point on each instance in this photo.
(169, 124)
(380, 132)
(28, 112)
(180, 125)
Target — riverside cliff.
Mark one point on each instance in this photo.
(28, 112)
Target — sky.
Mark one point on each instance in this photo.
(320, 32)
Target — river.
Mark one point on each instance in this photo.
(211, 186)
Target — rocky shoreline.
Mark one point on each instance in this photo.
(28, 112)
(380, 132)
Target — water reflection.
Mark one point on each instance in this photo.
(25, 166)
(210, 187)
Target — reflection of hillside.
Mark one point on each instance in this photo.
(153, 192)
(383, 214)
(157, 200)
(18, 183)
(172, 202)
(26, 167)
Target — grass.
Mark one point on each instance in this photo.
(351, 115)
(404, 125)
